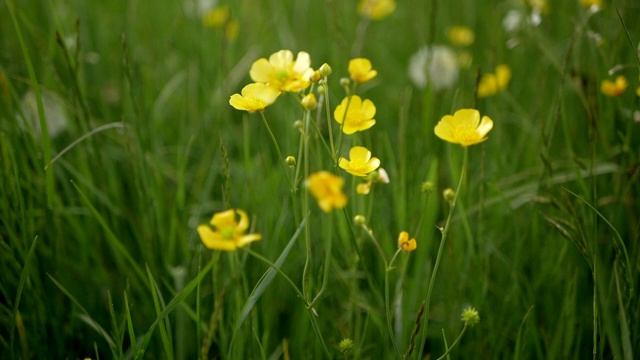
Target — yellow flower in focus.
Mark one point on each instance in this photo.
(461, 35)
(282, 72)
(255, 97)
(216, 17)
(229, 234)
(357, 117)
(376, 9)
(614, 88)
(361, 162)
(360, 70)
(327, 189)
(492, 83)
(405, 244)
(465, 127)
(590, 3)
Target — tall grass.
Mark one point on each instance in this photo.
(100, 255)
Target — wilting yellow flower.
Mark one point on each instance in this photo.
(492, 83)
(282, 72)
(360, 70)
(327, 189)
(255, 97)
(361, 162)
(614, 88)
(461, 35)
(217, 16)
(405, 244)
(229, 234)
(590, 3)
(465, 127)
(376, 9)
(359, 115)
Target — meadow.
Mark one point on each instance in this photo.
(147, 212)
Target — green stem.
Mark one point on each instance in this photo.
(305, 210)
(276, 268)
(454, 343)
(388, 310)
(275, 144)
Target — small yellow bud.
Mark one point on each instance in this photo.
(427, 187)
(316, 76)
(449, 194)
(470, 316)
(359, 220)
(325, 70)
(322, 88)
(290, 161)
(309, 102)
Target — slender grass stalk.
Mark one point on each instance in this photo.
(449, 348)
(277, 147)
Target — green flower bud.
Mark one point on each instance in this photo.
(290, 161)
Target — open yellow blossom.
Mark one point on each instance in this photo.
(360, 70)
(405, 244)
(282, 72)
(465, 127)
(376, 9)
(229, 234)
(492, 83)
(357, 117)
(255, 97)
(614, 88)
(361, 163)
(327, 189)
(460, 35)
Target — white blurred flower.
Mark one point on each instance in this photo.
(512, 21)
(436, 65)
(198, 8)
(57, 119)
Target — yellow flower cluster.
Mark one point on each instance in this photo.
(614, 88)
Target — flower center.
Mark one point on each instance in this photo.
(227, 232)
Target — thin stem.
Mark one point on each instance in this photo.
(275, 144)
(454, 343)
(276, 268)
(305, 210)
(388, 311)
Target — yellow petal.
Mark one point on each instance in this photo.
(260, 70)
(281, 59)
(213, 240)
(247, 239)
(360, 153)
(485, 126)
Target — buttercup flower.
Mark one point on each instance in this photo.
(360, 70)
(327, 189)
(405, 244)
(436, 65)
(614, 88)
(376, 9)
(359, 115)
(229, 235)
(465, 127)
(282, 72)
(361, 162)
(492, 83)
(460, 35)
(255, 97)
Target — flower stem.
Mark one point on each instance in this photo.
(275, 144)
(454, 343)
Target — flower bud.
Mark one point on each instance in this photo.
(325, 70)
(359, 220)
(427, 187)
(316, 76)
(298, 124)
(345, 82)
(470, 316)
(290, 161)
(449, 194)
(309, 102)
(346, 346)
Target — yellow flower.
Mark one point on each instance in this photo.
(465, 127)
(364, 188)
(590, 3)
(611, 88)
(359, 115)
(492, 83)
(461, 35)
(255, 97)
(229, 235)
(638, 91)
(405, 244)
(361, 162)
(216, 17)
(327, 189)
(282, 72)
(360, 70)
(376, 9)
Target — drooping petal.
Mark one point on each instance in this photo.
(247, 239)
(214, 240)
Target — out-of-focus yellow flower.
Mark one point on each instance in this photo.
(309, 101)
(376, 9)
(232, 30)
(361, 163)
(282, 72)
(327, 189)
(364, 188)
(229, 234)
(255, 97)
(461, 35)
(405, 244)
(614, 88)
(361, 70)
(492, 83)
(465, 127)
(216, 17)
(590, 3)
(638, 91)
(357, 117)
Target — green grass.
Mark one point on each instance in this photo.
(100, 256)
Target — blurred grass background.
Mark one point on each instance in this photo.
(544, 241)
